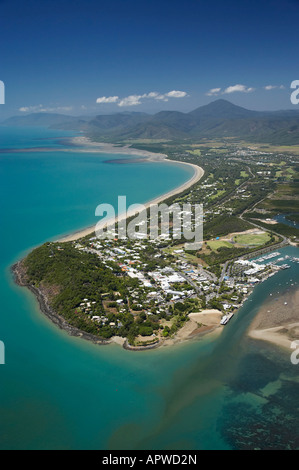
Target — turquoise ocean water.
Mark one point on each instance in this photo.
(59, 392)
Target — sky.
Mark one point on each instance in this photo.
(105, 56)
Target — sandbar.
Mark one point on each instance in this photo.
(278, 320)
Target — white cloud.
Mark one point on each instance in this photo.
(109, 99)
(238, 88)
(28, 109)
(42, 109)
(152, 94)
(59, 109)
(213, 92)
(241, 89)
(155, 95)
(176, 94)
(135, 100)
(273, 87)
(132, 100)
(161, 98)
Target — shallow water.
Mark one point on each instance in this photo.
(63, 392)
(282, 219)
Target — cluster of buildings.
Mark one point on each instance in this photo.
(250, 267)
(168, 283)
(163, 281)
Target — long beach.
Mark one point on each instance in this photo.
(110, 148)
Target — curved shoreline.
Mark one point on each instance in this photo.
(19, 277)
(82, 142)
(107, 148)
(20, 274)
(188, 332)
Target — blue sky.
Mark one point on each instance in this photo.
(63, 56)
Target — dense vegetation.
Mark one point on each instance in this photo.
(223, 225)
(70, 276)
(219, 119)
(240, 189)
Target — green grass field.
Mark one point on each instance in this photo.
(214, 245)
(195, 152)
(218, 194)
(252, 239)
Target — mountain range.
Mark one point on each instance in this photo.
(219, 119)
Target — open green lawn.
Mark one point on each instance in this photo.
(192, 258)
(288, 173)
(252, 239)
(195, 152)
(214, 245)
(243, 174)
(218, 194)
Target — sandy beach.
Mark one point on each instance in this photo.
(110, 148)
(268, 221)
(199, 323)
(98, 147)
(278, 321)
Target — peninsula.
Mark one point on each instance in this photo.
(147, 293)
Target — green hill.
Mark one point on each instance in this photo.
(218, 119)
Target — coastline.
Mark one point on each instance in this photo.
(110, 148)
(199, 324)
(20, 279)
(277, 324)
(193, 328)
(98, 147)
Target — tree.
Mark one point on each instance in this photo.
(166, 331)
(146, 330)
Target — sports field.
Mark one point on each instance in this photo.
(253, 239)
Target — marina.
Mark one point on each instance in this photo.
(274, 262)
